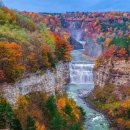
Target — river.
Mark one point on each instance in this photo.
(81, 83)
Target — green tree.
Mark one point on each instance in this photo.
(11, 118)
(128, 113)
(68, 109)
(57, 123)
(8, 117)
(123, 42)
(76, 126)
(51, 106)
(30, 124)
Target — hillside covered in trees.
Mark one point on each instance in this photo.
(94, 28)
(48, 113)
(32, 42)
(27, 46)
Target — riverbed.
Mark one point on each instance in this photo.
(81, 84)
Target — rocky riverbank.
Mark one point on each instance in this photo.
(49, 82)
(111, 92)
(95, 107)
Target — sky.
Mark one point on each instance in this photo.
(60, 6)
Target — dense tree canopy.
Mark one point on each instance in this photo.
(115, 105)
(27, 45)
(51, 113)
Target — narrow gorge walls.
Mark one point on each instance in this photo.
(113, 72)
(49, 82)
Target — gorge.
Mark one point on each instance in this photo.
(60, 64)
(81, 84)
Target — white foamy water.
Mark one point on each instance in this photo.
(81, 73)
(81, 84)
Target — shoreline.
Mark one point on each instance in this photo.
(96, 108)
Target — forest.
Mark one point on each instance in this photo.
(107, 29)
(48, 113)
(114, 101)
(31, 42)
(27, 46)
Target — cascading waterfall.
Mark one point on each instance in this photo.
(77, 34)
(81, 73)
(83, 43)
(81, 84)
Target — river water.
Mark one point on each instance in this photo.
(81, 83)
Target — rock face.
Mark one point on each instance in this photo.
(113, 72)
(49, 82)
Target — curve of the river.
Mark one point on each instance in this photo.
(81, 83)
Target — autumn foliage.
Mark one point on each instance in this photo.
(115, 105)
(117, 49)
(55, 113)
(103, 28)
(11, 60)
(26, 45)
(63, 49)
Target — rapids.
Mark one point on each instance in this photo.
(81, 84)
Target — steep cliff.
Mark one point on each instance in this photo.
(115, 72)
(49, 82)
(111, 93)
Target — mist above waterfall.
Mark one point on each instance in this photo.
(93, 49)
(78, 35)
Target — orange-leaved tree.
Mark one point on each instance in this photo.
(33, 61)
(45, 52)
(63, 49)
(11, 60)
(122, 52)
(110, 51)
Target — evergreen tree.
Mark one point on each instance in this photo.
(30, 124)
(56, 122)
(68, 109)
(75, 127)
(51, 106)
(2, 116)
(13, 122)
(8, 118)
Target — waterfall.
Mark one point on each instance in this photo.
(81, 73)
(80, 86)
(83, 43)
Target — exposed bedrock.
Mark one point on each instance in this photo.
(113, 72)
(50, 82)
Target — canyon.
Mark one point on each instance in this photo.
(81, 84)
(74, 76)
